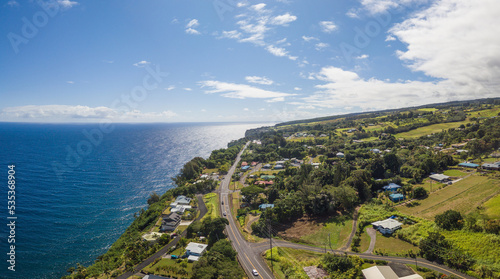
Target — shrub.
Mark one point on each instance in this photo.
(420, 193)
(449, 220)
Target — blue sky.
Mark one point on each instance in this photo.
(229, 60)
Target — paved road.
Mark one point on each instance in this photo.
(148, 261)
(246, 255)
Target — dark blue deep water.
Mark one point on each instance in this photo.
(76, 194)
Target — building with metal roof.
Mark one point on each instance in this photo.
(439, 177)
(387, 226)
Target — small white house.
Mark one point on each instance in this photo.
(439, 177)
(180, 208)
(196, 249)
(181, 200)
(387, 226)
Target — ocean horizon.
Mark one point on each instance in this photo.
(78, 185)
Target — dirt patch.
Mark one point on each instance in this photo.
(303, 226)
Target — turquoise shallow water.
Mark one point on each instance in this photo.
(76, 194)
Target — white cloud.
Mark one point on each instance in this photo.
(277, 51)
(13, 3)
(258, 7)
(454, 40)
(233, 34)
(321, 46)
(284, 19)
(246, 109)
(203, 110)
(66, 113)
(275, 100)
(327, 26)
(283, 42)
(255, 24)
(188, 89)
(67, 3)
(192, 31)
(170, 88)
(136, 115)
(280, 52)
(352, 13)
(259, 80)
(70, 82)
(108, 61)
(191, 25)
(142, 63)
(48, 111)
(378, 6)
(297, 88)
(381, 6)
(390, 38)
(240, 91)
(347, 89)
(308, 39)
(363, 56)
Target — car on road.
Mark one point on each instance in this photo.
(255, 273)
(224, 214)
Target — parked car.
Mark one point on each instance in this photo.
(174, 257)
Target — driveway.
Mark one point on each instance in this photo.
(373, 237)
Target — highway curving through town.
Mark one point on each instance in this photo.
(246, 254)
(250, 254)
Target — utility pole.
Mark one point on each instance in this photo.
(271, 246)
(329, 242)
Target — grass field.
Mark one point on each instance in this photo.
(454, 173)
(236, 202)
(291, 261)
(485, 112)
(491, 160)
(492, 207)
(209, 171)
(300, 139)
(364, 244)
(427, 130)
(317, 159)
(483, 247)
(235, 185)
(168, 267)
(393, 245)
(212, 202)
(463, 196)
(339, 229)
(428, 109)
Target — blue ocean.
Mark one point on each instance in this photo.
(79, 185)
